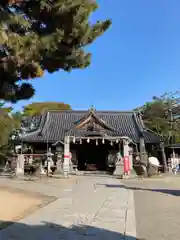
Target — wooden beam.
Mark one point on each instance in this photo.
(97, 137)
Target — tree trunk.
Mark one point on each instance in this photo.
(163, 157)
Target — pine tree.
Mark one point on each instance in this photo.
(43, 35)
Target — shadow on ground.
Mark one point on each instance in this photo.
(173, 192)
(53, 231)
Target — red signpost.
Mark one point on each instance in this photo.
(126, 164)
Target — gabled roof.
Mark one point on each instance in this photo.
(92, 122)
(54, 125)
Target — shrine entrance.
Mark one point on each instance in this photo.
(95, 153)
(92, 156)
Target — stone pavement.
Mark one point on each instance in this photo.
(157, 208)
(84, 210)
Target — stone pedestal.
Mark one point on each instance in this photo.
(43, 172)
(59, 163)
(49, 164)
(119, 170)
(20, 165)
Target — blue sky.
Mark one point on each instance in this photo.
(139, 57)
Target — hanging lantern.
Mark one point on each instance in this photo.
(80, 141)
(103, 141)
(88, 140)
(117, 140)
(74, 139)
(96, 142)
(111, 143)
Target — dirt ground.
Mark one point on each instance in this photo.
(16, 204)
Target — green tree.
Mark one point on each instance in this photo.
(162, 115)
(154, 116)
(35, 109)
(9, 121)
(43, 35)
(7, 124)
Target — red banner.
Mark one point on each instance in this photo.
(126, 164)
(69, 155)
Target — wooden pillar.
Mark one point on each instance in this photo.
(66, 164)
(20, 165)
(163, 157)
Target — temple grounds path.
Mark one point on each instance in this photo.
(84, 208)
(157, 208)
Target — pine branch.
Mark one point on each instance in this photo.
(43, 35)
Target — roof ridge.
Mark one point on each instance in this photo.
(140, 130)
(86, 111)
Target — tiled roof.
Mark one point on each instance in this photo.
(32, 123)
(55, 125)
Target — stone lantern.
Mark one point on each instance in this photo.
(49, 162)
